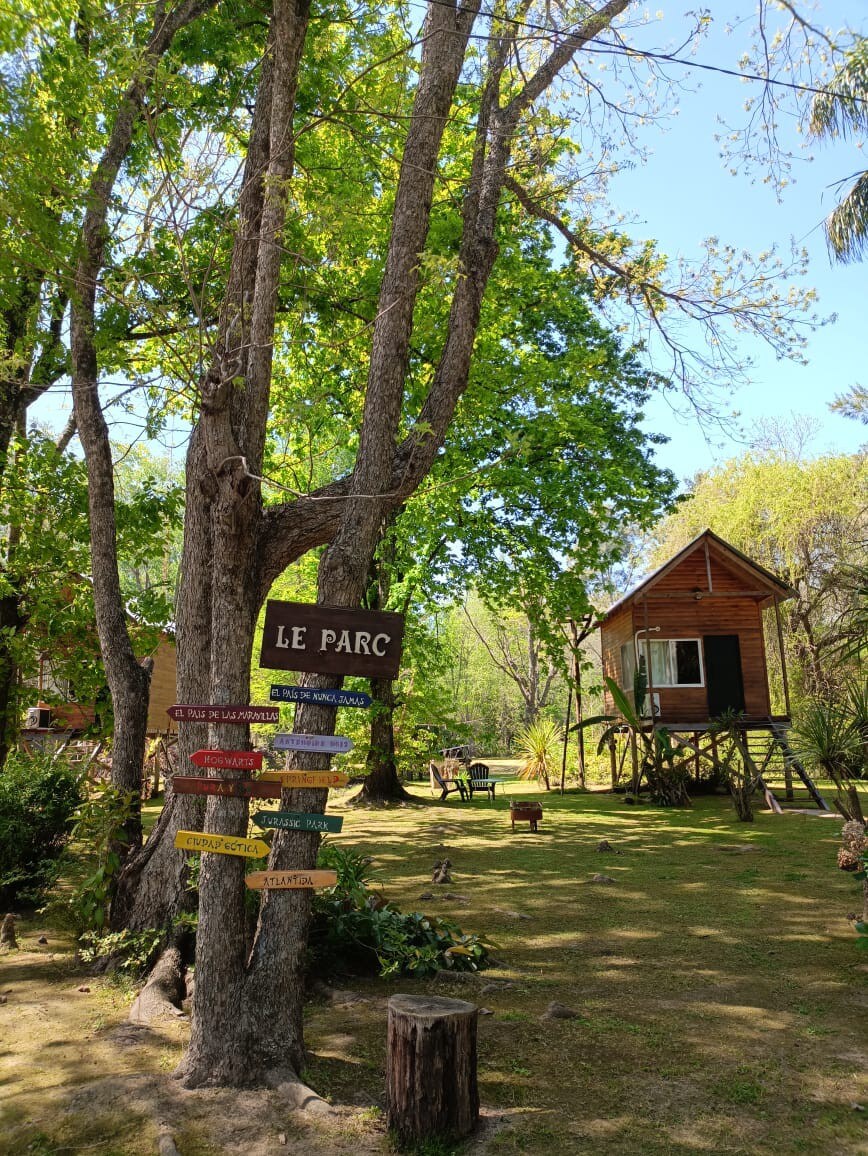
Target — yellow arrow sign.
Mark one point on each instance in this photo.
(294, 779)
(290, 880)
(222, 844)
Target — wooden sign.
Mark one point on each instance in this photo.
(222, 844)
(292, 780)
(290, 880)
(328, 744)
(331, 639)
(280, 693)
(229, 788)
(298, 821)
(228, 760)
(229, 714)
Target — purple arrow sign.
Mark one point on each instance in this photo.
(330, 744)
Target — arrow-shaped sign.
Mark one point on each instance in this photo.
(228, 788)
(222, 844)
(228, 760)
(203, 712)
(298, 821)
(331, 744)
(290, 880)
(281, 693)
(294, 779)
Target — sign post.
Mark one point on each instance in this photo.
(221, 844)
(282, 693)
(293, 780)
(228, 760)
(290, 880)
(331, 640)
(328, 744)
(228, 788)
(298, 821)
(231, 714)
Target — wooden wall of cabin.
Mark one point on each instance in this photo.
(693, 619)
(615, 633)
(673, 605)
(163, 689)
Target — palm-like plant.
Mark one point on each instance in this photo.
(840, 110)
(826, 737)
(538, 745)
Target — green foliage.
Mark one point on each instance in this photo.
(132, 952)
(539, 745)
(804, 520)
(38, 798)
(353, 927)
(99, 828)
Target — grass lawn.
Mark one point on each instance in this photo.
(721, 999)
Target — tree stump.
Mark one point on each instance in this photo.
(431, 1067)
(8, 942)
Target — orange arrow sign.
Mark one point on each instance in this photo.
(290, 880)
(294, 779)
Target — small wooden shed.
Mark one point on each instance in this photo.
(696, 627)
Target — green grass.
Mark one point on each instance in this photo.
(720, 993)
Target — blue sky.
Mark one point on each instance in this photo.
(684, 193)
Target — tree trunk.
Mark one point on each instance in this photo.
(431, 1087)
(382, 784)
(11, 620)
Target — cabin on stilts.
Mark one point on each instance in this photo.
(695, 629)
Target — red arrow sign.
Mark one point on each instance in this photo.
(228, 760)
(230, 714)
(230, 788)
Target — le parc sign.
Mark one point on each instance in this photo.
(331, 640)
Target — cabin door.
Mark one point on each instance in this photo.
(723, 673)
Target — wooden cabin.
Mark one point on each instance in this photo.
(74, 717)
(696, 627)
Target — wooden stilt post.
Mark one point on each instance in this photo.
(613, 761)
(566, 739)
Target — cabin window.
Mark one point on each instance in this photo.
(675, 661)
(628, 666)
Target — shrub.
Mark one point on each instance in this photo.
(354, 928)
(539, 746)
(38, 798)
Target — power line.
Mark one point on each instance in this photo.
(609, 47)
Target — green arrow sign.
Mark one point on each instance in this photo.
(298, 821)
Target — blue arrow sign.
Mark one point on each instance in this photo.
(280, 693)
(331, 744)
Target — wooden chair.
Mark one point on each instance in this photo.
(445, 785)
(478, 780)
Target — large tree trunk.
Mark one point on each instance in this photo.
(382, 784)
(247, 1018)
(129, 681)
(11, 621)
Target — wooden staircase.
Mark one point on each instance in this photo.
(786, 784)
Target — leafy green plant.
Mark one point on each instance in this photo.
(356, 929)
(99, 825)
(659, 761)
(38, 798)
(538, 745)
(826, 736)
(132, 952)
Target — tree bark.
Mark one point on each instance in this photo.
(129, 681)
(431, 1086)
(382, 784)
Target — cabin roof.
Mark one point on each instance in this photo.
(764, 578)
